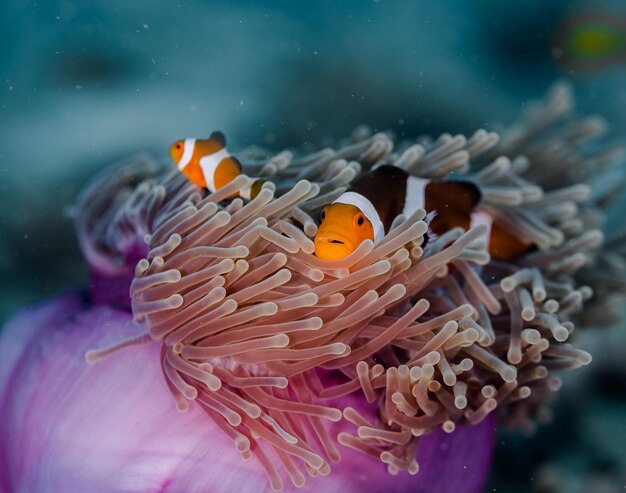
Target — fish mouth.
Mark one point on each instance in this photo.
(332, 247)
(333, 239)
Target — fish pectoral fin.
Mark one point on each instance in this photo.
(449, 219)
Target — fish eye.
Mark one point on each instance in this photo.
(178, 146)
(323, 215)
(360, 220)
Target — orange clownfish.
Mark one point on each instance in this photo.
(367, 209)
(503, 245)
(208, 164)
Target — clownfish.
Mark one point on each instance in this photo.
(208, 164)
(367, 209)
(502, 245)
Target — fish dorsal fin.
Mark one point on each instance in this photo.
(219, 138)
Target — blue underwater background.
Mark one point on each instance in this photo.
(86, 83)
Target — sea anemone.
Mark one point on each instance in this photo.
(565, 154)
(111, 427)
(299, 361)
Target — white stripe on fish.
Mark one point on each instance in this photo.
(189, 146)
(209, 164)
(367, 208)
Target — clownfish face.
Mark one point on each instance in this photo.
(343, 229)
(177, 150)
